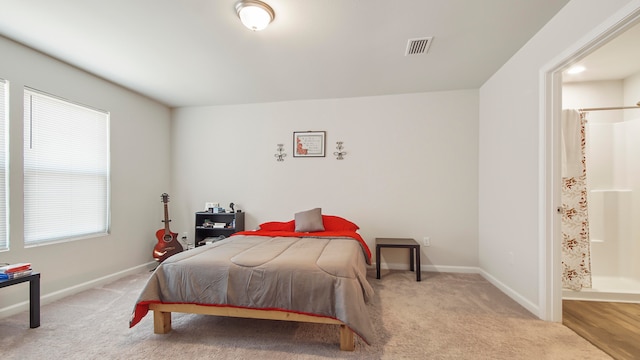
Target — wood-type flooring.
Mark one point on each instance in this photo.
(613, 327)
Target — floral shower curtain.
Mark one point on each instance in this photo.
(576, 257)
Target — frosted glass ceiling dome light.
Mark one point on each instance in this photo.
(255, 14)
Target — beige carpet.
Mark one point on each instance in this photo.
(446, 316)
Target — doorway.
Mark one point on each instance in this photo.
(610, 133)
(553, 79)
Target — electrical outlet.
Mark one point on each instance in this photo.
(426, 241)
(511, 258)
(185, 235)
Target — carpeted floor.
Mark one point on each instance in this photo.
(446, 316)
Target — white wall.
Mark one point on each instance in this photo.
(410, 170)
(139, 164)
(510, 146)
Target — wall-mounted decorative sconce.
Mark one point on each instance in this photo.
(280, 155)
(339, 154)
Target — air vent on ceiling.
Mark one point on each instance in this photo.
(418, 46)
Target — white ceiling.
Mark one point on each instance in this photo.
(196, 52)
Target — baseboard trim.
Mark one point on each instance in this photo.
(450, 269)
(431, 268)
(57, 295)
(531, 307)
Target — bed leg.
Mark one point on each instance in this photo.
(347, 342)
(161, 322)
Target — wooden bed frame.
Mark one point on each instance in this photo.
(162, 318)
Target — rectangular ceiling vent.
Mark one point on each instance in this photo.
(418, 46)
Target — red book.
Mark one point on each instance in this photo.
(8, 269)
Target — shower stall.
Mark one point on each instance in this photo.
(612, 161)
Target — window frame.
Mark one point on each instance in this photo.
(33, 214)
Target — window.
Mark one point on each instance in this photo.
(66, 170)
(4, 120)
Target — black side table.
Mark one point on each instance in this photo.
(34, 295)
(411, 244)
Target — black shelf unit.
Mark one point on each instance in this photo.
(234, 222)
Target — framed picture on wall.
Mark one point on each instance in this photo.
(308, 143)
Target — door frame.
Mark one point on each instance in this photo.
(550, 284)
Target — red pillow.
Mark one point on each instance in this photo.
(278, 226)
(330, 222)
(336, 223)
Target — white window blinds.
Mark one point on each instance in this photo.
(4, 120)
(66, 170)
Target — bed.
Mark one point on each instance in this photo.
(278, 272)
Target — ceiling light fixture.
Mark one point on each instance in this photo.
(576, 69)
(255, 14)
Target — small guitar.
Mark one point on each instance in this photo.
(167, 241)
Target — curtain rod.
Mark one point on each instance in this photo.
(637, 106)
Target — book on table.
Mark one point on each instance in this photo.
(12, 271)
(14, 268)
(16, 274)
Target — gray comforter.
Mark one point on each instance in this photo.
(320, 276)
